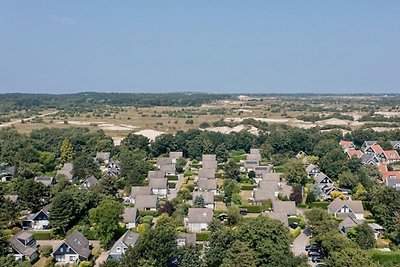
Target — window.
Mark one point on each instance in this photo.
(61, 249)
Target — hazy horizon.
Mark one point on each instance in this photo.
(238, 47)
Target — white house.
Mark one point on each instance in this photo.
(121, 245)
(342, 208)
(198, 219)
(74, 249)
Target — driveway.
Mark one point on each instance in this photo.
(174, 192)
(299, 243)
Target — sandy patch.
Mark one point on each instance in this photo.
(384, 129)
(81, 122)
(334, 121)
(116, 127)
(117, 140)
(149, 133)
(388, 113)
(241, 127)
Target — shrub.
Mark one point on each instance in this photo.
(247, 186)
(296, 232)
(145, 213)
(203, 236)
(147, 219)
(322, 205)
(219, 197)
(46, 251)
(15, 230)
(171, 185)
(42, 235)
(389, 257)
(172, 177)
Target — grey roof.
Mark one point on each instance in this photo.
(46, 180)
(7, 169)
(209, 164)
(46, 209)
(250, 163)
(254, 151)
(282, 217)
(167, 168)
(103, 155)
(354, 205)
(349, 222)
(206, 173)
(207, 196)
(263, 195)
(146, 202)
(256, 157)
(12, 198)
(19, 246)
(200, 215)
(190, 239)
(207, 184)
(366, 157)
(158, 183)
(271, 176)
(369, 143)
(288, 207)
(129, 215)
(175, 154)
(140, 190)
(164, 161)
(209, 157)
(376, 227)
(79, 244)
(268, 185)
(66, 170)
(310, 167)
(155, 174)
(91, 181)
(320, 177)
(262, 169)
(129, 239)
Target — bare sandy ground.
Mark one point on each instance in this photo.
(383, 129)
(388, 113)
(227, 130)
(117, 140)
(102, 125)
(149, 133)
(8, 124)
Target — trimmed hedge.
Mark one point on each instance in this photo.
(42, 235)
(252, 208)
(296, 232)
(323, 205)
(382, 257)
(172, 177)
(203, 236)
(144, 213)
(247, 186)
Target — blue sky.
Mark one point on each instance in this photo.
(222, 46)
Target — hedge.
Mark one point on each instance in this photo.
(187, 174)
(382, 257)
(323, 205)
(296, 232)
(219, 197)
(252, 208)
(171, 185)
(172, 177)
(147, 219)
(296, 220)
(246, 180)
(278, 169)
(247, 186)
(42, 235)
(203, 236)
(144, 213)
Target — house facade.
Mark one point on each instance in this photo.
(73, 249)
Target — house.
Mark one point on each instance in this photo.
(208, 198)
(113, 169)
(127, 240)
(282, 217)
(250, 164)
(46, 180)
(253, 156)
(186, 239)
(347, 145)
(269, 185)
(322, 179)
(198, 219)
(175, 155)
(168, 169)
(367, 144)
(271, 176)
(392, 179)
(377, 229)
(395, 144)
(288, 207)
(354, 153)
(209, 162)
(155, 174)
(369, 158)
(137, 191)
(262, 195)
(207, 185)
(342, 208)
(89, 182)
(389, 156)
(374, 149)
(254, 151)
(23, 246)
(159, 187)
(6, 172)
(39, 220)
(65, 171)
(312, 170)
(348, 223)
(73, 249)
(206, 173)
(103, 157)
(163, 161)
(130, 217)
(146, 202)
(260, 170)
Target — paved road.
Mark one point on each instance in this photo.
(101, 259)
(8, 124)
(299, 243)
(174, 192)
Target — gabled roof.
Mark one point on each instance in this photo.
(209, 157)
(346, 144)
(175, 154)
(367, 158)
(391, 155)
(268, 185)
(263, 195)
(79, 244)
(288, 207)
(167, 168)
(377, 149)
(271, 176)
(200, 215)
(395, 144)
(282, 217)
(19, 246)
(311, 167)
(46, 210)
(256, 157)
(155, 174)
(129, 215)
(207, 196)
(369, 143)
(128, 239)
(320, 177)
(66, 170)
(354, 205)
(354, 153)
(254, 151)
(146, 202)
(206, 173)
(164, 161)
(158, 183)
(349, 222)
(103, 156)
(250, 163)
(140, 190)
(91, 181)
(262, 169)
(207, 184)
(46, 180)
(190, 239)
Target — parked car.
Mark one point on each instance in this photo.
(313, 253)
(321, 264)
(312, 247)
(317, 258)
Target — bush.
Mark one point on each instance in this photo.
(382, 257)
(247, 186)
(172, 177)
(46, 251)
(296, 220)
(322, 205)
(147, 219)
(252, 208)
(278, 169)
(203, 236)
(219, 197)
(42, 235)
(145, 213)
(171, 185)
(187, 174)
(246, 180)
(296, 232)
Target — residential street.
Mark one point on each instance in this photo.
(173, 192)
(299, 243)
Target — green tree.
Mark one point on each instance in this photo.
(233, 214)
(189, 256)
(180, 165)
(199, 202)
(348, 180)
(266, 150)
(333, 163)
(238, 255)
(364, 236)
(221, 153)
(47, 159)
(67, 151)
(350, 257)
(232, 170)
(104, 218)
(230, 188)
(84, 166)
(33, 195)
(221, 238)
(295, 172)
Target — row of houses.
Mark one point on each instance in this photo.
(371, 152)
